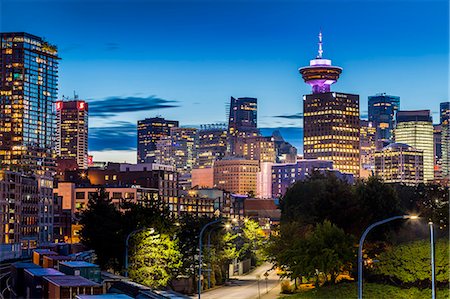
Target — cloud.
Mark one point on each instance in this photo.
(112, 46)
(291, 116)
(113, 106)
(119, 136)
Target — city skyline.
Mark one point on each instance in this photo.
(258, 57)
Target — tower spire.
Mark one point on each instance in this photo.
(320, 51)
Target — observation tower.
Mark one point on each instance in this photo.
(320, 74)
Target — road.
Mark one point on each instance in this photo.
(246, 286)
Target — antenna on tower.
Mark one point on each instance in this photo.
(320, 51)
(75, 96)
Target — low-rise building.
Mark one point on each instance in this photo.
(399, 163)
(284, 175)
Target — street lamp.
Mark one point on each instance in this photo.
(199, 285)
(433, 265)
(361, 243)
(126, 245)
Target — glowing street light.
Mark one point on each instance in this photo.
(361, 243)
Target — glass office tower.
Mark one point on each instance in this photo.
(415, 128)
(28, 76)
(150, 130)
(382, 109)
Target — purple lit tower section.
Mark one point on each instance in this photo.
(320, 74)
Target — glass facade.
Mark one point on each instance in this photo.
(212, 145)
(382, 111)
(28, 76)
(415, 128)
(400, 163)
(242, 120)
(150, 130)
(445, 138)
(179, 150)
(367, 148)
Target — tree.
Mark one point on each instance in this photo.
(155, 259)
(101, 231)
(253, 237)
(329, 250)
(321, 197)
(152, 214)
(301, 252)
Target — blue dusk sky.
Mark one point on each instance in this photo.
(183, 60)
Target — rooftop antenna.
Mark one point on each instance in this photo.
(75, 96)
(320, 51)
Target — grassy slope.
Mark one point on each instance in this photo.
(371, 291)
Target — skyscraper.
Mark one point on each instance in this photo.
(28, 80)
(150, 130)
(445, 138)
(415, 128)
(28, 91)
(179, 150)
(72, 131)
(437, 153)
(242, 120)
(330, 119)
(382, 110)
(212, 144)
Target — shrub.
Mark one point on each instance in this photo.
(286, 287)
(409, 264)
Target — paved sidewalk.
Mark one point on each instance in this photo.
(246, 286)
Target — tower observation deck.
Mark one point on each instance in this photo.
(320, 74)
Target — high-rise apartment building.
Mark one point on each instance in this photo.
(367, 148)
(72, 131)
(330, 119)
(236, 175)
(150, 130)
(382, 110)
(399, 163)
(257, 148)
(415, 128)
(179, 150)
(242, 120)
(212, 145)
(445, 138)
(28, 91)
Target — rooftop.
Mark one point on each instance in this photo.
(43, 271)
(70, 281)
(78, 264)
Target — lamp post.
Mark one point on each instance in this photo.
(433, 265)
(126, 246)
(361, 243)
(199, 285)
(209, 257)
